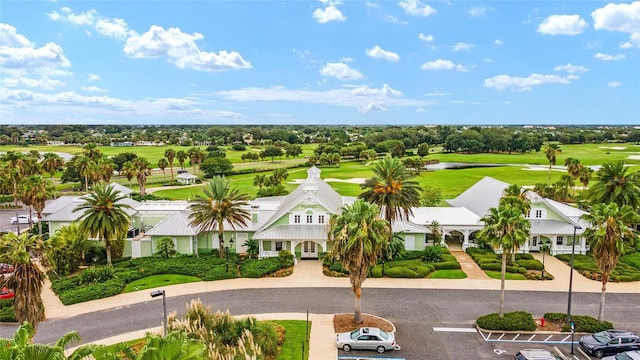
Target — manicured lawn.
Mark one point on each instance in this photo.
(627, 269)
(296, 336)
(154, 281)
(448, 274)
(509, 276)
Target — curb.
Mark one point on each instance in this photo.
(393, 326)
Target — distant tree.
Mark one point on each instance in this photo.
(122, 158)
(170, 155)
(182, 156)
(216, 166)
(551, 151)
(272, 152)
(162, 164)
(423, 149)
(431, 196)
(51, 163)
(293, 150)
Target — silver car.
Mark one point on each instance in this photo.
(367, 338)
(629, 355)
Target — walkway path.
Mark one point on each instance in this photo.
(308, 273)
(469, 266)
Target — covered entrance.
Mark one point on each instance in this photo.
(309, 250)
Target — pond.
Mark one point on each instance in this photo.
(462, 165)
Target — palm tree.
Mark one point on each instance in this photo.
(196, 155)
(392, 189)
(66, 247)
(182, 156)
(22, 346)
(506, 228)
(551, 151)
(517, 196)
(609, 229)
(220, 204)
(170, 154)
(162, 164)
(28, 276)
(359, 238)
(91, 151)
(104, 169)
(127, 171)
(51, 163)
(614, 184)
(573, 166)
(38, 189)
(436, 230)
(83, 166)
(141, 169)
(104, 215)
(15, 164)
(585, 174)
(260, 180)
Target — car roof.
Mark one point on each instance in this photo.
(620, 333)
(537, 354)
(369, 330)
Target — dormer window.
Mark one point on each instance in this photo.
(538, 214)
(296, 219)
(321, 219)
(309, 219)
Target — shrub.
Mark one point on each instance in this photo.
(403, 269)
(583, 323)
(97, 274)
(6, 311)
(432, 254)
(92, 292)
(286, 258)
(530, 264)
(447, 265)
(411, 255)
(166, 248)
(524, 257)
(513, 321)
(253, 268)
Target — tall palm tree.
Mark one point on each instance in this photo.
(83, 166)
(392, 189)
(22, 346)
(162, 164)
(91, 151)
(182, 156)
(15, 163)
(196, 155)
(614, 184)
(51, 163)
(585, 174)
(127, 171)
(104, 216)
(221, 203)
(551, 151)
(38, 190)
(436, 230)
(573, 166)
(359, 237)
(506, 228)
(609, 229)
(141, 169)
(28, 276)
(104, 169)
(517, 196)
(170, 154)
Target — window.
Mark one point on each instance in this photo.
(309, 219)
(278, 245)
(538, 214)
(296, 219)
(535, 241)
(559, 240)
(321, 219)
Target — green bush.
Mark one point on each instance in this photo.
(524, 257)
(286, 258)
(530, 264)
(447, 265)
(491, 266)
(583, 323)
(513, 321)
(411, 255)
(97, 274)
(6, 311)
(253, 268)
(403, 269)
(432, 254)
(92, 292)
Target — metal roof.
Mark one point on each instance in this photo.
(66, 214)
(552, 227)
(175, 225)
(445, 216)
(293, 232)
(482, 196)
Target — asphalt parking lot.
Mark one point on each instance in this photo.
(5, 220)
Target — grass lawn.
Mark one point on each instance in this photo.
(448, 274)
(508, 276)
(154, 281)
(627, 269)
(296, 336)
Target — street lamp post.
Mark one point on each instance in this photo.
(573, 250)
(544, 248)
(226, 250)
(164, 306)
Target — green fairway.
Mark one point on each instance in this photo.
(155, 281)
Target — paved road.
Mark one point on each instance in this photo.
(415, 312)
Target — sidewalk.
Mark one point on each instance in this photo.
(308, 273)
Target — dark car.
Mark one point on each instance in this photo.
(610, 342)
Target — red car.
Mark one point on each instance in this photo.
(6, 268)
(6, 294)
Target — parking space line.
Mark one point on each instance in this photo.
(450, 329)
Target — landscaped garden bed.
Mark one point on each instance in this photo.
(525, 267)
(434, 261)
(524, 321)
(97, 282)
(627, 269)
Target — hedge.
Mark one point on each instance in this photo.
(512, 321)
(253, 268)
(530, 264)
(6, 311)
(403, 269)
(583, 323)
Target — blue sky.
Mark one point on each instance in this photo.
(319, 62)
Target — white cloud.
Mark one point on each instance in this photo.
(462, 46)
(328, 14)
(372, 107)
(562, 25)
(340, 71)
(488, 60)
(618, 17)
(438, 93)
(502, 82)
(425, 38)
(634, 42)
(93, 77)
(477, 11)
(420, 110)
(416, 8)
(371, 4)
(607, 57)
(394, 20)
(614, 84)
(10, 38)
(571, 69)
(43, 83)
(182, 50)
(114, 28)
(441, 64)
(93, 89)
(83, 18)
(355, 97)
(378, 53)
(498, 42)
(229, 114)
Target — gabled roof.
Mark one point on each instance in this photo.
(569, 213)
(445, 216)
(125, 191)
(175, 225)
(401, 226)
(66, 213)
(482, 196)
(186, 176)
(59, 203)
(552, 227)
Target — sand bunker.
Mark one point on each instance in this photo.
(633, 157)
(613, 147)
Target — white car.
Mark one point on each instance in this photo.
(23, 219)
(367, 338)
